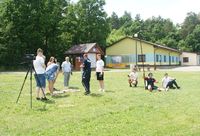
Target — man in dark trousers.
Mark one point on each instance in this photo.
(86, 66)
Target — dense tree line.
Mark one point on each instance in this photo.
(56, 25)
(183, 36)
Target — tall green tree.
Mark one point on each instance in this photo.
(192, 19)
(193, 40)
(30, 25)
(92, 19)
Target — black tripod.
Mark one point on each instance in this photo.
(30, 69)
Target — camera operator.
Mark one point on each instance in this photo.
(39, 65)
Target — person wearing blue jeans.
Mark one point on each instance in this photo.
(39, 67)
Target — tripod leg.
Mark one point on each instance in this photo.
(31, 88)
(22, 85)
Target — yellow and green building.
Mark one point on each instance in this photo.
(130, 50)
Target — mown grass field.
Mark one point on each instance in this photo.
(120, 111)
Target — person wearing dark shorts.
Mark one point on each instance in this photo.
(100, 72)
(86, 75)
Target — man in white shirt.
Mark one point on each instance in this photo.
(100, 72)
(39, 67)
(66, 69)
(168, 82)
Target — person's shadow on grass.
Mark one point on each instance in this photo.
(60, 96)
(96, 95)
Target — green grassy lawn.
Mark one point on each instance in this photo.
(120, 111)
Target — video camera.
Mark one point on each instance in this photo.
(29, 57)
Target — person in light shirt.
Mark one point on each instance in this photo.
(39, 67)
(133, 78)
(169, 82)
(66, 69)
(100, 72)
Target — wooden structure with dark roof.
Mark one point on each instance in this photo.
(76, 52)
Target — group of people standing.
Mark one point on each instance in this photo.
(51, 71)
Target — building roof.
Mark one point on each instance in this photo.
(84, 48)
(154, 44)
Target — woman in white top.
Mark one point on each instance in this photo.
(100, 72)
(66, 69)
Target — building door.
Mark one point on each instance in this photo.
(78, 62)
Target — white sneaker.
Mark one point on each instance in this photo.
(167, 89)
(100, 90)
(103, 90)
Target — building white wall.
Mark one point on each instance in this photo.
(192, 57)
(198, 59)
(92, 57)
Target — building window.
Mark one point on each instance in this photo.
(185, 59)
(165, 59)
(172, 58)
(141, 58)
(160, 58)
(116, 59)
(157, 58)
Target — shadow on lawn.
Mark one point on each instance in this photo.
(49, 101)
(96, 95)
(43, 108)
(109, 91)
(60, 96)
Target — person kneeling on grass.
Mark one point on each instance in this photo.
(51, 75)
(169, 82)
(150, 83)
(133, 78)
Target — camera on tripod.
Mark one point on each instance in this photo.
(29, 57)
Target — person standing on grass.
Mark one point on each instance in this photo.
(39, 67)
(66, 69)
(100, 72)
(86, 74)
(51, 71)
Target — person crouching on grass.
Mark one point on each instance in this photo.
(150, 83)
(100, 72)
(39, 67)
(51, 71)
(133, 77)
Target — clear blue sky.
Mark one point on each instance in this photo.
(176, 10)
